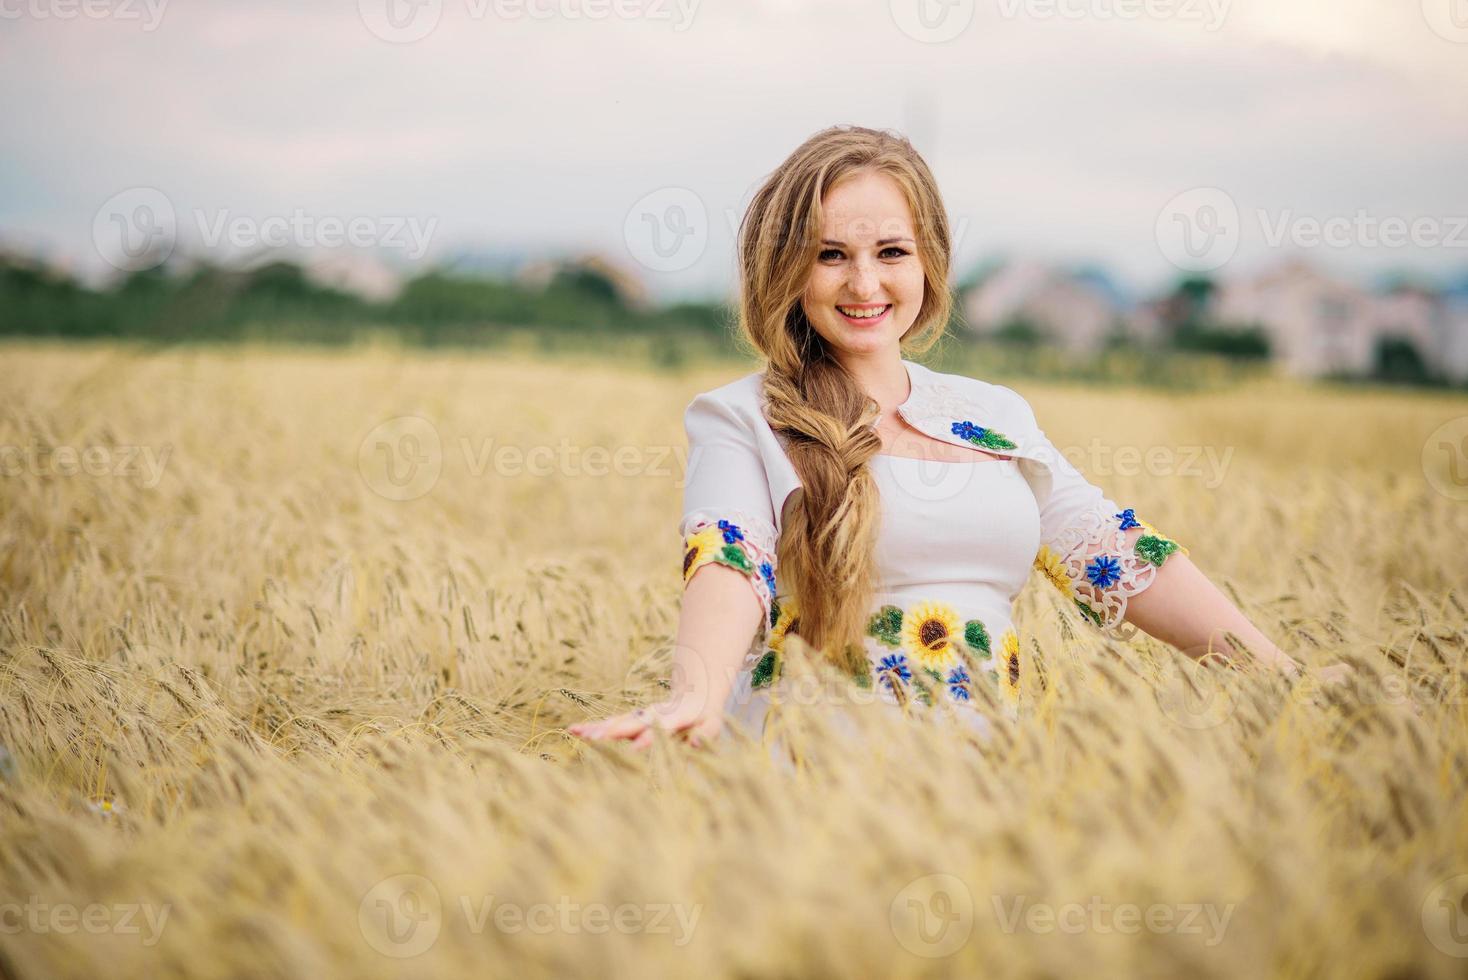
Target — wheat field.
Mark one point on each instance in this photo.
(288, 641)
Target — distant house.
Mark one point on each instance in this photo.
(1075, 309)
(630, 290)
(361, 272)
(1319, 325)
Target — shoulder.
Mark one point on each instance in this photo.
(989, 400)
(739, 401)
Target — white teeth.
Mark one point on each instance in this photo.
(863, 314)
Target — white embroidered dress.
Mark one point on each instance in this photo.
(956, 541)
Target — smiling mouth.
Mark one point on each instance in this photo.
(864, 313)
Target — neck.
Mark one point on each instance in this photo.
(881, 374)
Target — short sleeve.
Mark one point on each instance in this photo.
(728, 515)
(1085, 551)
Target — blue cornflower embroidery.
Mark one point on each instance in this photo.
(767, 572)
(967, 430)
(731, 532)
(1129, 519)
(958, 680)
(1103, 571)
(894, 665)
(980, 436)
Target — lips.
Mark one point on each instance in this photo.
(865, 314)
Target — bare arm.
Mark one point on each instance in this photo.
(1184, 608)
(716, 625)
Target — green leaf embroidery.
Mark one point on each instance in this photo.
(976, 636)
(886, 625)
(764, 671)
(1089, 613)
(1155, 548)
(734, 557)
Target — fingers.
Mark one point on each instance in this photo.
(641, 727)
(617, 727)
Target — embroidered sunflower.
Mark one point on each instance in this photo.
(1009, 665)
(700, 548)
(786, 622)
(1049, 563)
(930, 631)
(784, 619)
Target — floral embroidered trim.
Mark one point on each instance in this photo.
(941, 411)
(783, 619)
(933, 652)
(736, 541)
(980, 436)
(1009, 667)
(1094, 566)
(930, 636)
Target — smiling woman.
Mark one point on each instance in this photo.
(806, 513)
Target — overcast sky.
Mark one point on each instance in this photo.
(1059, 129)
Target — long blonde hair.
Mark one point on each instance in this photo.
(825, 553)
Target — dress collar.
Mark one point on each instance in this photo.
(957, 415)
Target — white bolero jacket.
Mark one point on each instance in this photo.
(740, 484)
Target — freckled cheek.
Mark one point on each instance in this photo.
(909, 285)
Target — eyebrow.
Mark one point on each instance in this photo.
(884, 241)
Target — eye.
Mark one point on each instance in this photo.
(896, 250)
(829, 254)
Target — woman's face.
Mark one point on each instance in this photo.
(867, 284)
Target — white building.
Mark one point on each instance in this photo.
(1076, 310)
(1318, 324)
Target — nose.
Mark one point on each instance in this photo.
(863, 281)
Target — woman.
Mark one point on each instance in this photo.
(818, 473)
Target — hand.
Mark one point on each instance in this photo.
(684, 717)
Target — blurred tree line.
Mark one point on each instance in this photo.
(279, 301)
